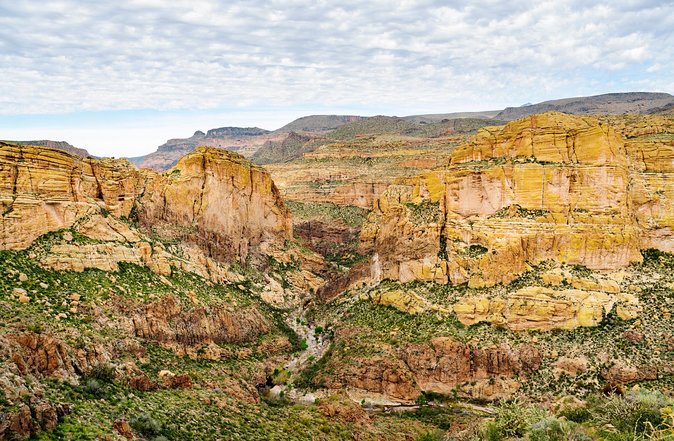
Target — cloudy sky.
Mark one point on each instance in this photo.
(119, 78)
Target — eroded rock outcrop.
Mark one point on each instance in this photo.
(229, 206)
(212, 198)
(548, 187)
(168, 321)
(540, 308)
(442, 365)
(43, 189)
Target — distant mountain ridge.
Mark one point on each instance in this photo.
(236, 131)
(277, 144)
(299, 136)
(607, 104)
(319, 123)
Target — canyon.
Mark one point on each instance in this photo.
(371, 264)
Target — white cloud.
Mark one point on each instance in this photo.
(406, 56)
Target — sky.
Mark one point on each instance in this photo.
(120, 78)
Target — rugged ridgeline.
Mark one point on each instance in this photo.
(308, 133)
(548, 187)
(334, 182)
(283, 144)
(244, 141)
(529, 261)
(46, 190)
(352, 164)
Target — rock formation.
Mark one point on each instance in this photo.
(547, 187)
(442, 365)
(230, 206)
(226, 205)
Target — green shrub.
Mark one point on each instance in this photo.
(577, 414)
(421, 400)
(145, 425)
(476, 250)
(102, 372)
(635, 413)
(512, 420)
(551, 429)
(94, 388)
(428, 436)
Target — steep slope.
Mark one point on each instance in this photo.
(140, 305)
(667, 109)
(535, 263)
(291, 147)
(358, 160)
(607, 104)
(44, 190)
(200, 188)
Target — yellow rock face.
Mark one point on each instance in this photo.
(548, 187)
(558, 277)
(540, 308)
(223, 203)
(405, 301)
(43, 189)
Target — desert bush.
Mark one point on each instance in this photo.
(94, 388)
(637, 413)
(145, 425)
(551, 429)
(102, 372)
(512, 421)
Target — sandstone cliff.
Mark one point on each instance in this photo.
(548, 187)
(223, 203)
(229, 206)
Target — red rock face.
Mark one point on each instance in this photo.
(166, 321)
(442, 365)
(48, 356)
(325, 238)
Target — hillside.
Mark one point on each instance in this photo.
(318, 123)
(287, 149)
(667, 109)
(535, 264)
(277, 146)
(436, 117)
(607, 104)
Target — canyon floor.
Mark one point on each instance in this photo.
(391, 281)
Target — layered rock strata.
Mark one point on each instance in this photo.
(213, 198)
(547, 187)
